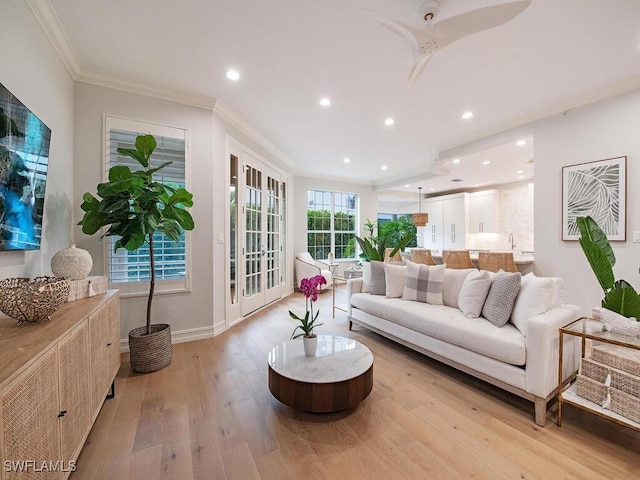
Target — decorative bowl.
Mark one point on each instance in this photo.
(32, 300)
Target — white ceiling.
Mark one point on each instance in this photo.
(290, 53)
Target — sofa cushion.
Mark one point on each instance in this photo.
(558, 290)
(394, 277)
(366, 277)
(535, 297)
(448, 324)
(378, 285)
(473, 293)
(424, 283)
(453, 280)
(501, 298)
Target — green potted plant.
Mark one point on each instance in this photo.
(135, 206)
(619, 295)
(373, 248)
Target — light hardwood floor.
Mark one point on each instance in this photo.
(210, 415)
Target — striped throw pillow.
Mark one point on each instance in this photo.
(424, 283)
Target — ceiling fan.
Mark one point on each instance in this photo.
(434, 36)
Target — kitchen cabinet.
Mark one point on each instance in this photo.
(448, 219)
(483, 211)
(51, 387)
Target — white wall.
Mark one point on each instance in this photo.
(604, 129)
(184, 311)
(367, 197)
(191, 314)
(34, 73)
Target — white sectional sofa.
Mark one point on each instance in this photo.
(521, 359)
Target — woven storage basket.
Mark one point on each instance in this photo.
(619, 379)
(591, 389)
(624, 404)
(87, 287)
(32, 300)
(622, 358)
(149, 353)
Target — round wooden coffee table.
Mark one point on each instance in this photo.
(340, 376)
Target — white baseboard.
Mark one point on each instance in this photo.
(181, 336)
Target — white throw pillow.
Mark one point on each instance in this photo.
(366, 277)
(473, 293)
(453, 280)
(423, 283)
(535, 297)
(394, 276)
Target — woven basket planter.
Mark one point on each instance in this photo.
(150, 353)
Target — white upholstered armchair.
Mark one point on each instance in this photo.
(306, 267)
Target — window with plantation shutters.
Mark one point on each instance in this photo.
(129, 270)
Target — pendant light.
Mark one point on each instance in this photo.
(420, 219)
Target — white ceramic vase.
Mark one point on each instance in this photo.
(72, 263)
(310, 345)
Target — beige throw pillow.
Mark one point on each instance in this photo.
(473, 293)
(453, 280)
(394, 277)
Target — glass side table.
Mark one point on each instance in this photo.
(588, 329)
(338, 280)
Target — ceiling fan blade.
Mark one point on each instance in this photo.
(410, 34)
(420, 62)
(475, 21)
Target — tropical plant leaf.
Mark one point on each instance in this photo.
(599, 263)
(404, 241)
(119, 172)
(624, 301)
(590, 229)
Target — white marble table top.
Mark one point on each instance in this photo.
(337, 359)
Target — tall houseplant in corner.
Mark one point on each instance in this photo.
(135, 206)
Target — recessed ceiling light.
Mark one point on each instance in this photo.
(519, 171)
(486, 162)
(389, 121)
(384, 167)
(521, 177)
(325, 102)
(477, 185)
(347, 160)
(407, 186)
(521, 143)
(467, 115)
(432, 189)
(233, 75)
(456, 160)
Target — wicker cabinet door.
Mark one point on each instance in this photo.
(104, 334)
(31, 427)
(75, 397)
(113, 344)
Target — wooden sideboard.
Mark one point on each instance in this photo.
(54, 377)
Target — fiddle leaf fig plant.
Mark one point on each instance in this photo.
(619, 296)
(135, 206)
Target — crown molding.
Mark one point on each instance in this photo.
(332, 178)
(238, 122)
(108, 81)
(53, 29)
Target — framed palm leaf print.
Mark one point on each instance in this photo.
(597, 189)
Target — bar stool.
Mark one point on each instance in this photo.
(494, 261)
(457, 259)
(422, 255)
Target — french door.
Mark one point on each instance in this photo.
(261, 219)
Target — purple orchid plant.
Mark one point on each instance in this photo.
(310, 287)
